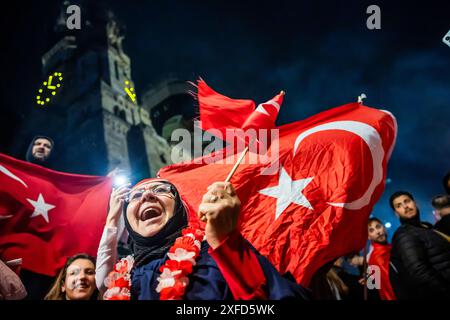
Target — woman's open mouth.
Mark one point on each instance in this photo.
(149, 213)
(81, 286)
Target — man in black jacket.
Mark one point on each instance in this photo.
(446, 182)
(420, 257)
(441, 205)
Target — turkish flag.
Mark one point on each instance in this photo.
(46, 216)
(223, 114)
(308, 202)
(220, 112)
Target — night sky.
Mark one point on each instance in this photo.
(321, 53)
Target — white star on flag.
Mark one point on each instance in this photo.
(288, 191)
(40, 207)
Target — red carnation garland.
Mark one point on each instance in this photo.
(173, 280)
(118, 281)
(182, 256)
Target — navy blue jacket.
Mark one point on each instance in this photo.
(207, 283)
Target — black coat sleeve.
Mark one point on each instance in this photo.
(412, 252)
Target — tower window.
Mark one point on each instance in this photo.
(122, 115)
(116, 69)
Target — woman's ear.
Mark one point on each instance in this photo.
(63, 287)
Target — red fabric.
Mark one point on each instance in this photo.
(240, 268)
(233, 112)
(220, 113)
(380, 256)
(76, 207)
(300, 239)
(265, 114)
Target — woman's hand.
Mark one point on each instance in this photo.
(220, 208)
(116, 202)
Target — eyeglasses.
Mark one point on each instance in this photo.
(162, 189)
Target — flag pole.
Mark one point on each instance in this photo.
(236, 165)
(361, 97)
(366, 293)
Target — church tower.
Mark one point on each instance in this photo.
(100, 123)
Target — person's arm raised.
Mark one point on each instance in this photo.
(237, 262)
(107, 249)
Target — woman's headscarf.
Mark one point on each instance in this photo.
(146, 249)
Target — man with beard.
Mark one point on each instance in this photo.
(40, 151)
(380, 256)
(420, 257)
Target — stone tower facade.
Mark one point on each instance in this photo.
(97, 124)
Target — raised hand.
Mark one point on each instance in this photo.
(220, 208)
(116, 202)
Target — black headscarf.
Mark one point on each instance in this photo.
(146, 249)
(29, 155)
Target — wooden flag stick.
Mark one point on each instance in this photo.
(366, 293)
(236, 165)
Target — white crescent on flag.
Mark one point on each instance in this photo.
(373, 140)
(12, 175)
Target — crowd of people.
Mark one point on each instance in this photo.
(416, 265)
(168, 259)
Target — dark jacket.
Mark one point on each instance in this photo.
(443, 225)
(420, 263)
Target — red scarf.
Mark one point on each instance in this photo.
(380, 257)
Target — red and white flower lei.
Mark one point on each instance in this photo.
(118, 281)
(173, 280)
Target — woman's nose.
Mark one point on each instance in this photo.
(148, 196)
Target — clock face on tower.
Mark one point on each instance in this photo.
(130, 91)
(50, 87)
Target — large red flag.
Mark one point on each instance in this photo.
(46, 216)
(331, 171)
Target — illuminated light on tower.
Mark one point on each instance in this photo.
(49, 89)
(130, 91)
